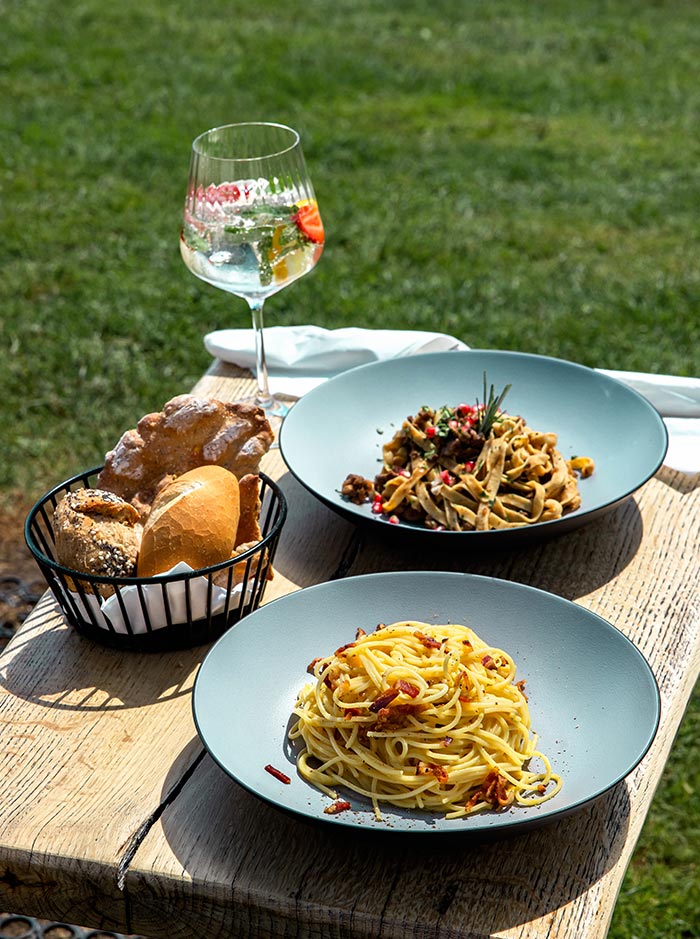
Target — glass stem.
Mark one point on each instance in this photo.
(263, 397)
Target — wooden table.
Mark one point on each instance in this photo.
(111, 814)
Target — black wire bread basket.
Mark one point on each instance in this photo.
(156, 614)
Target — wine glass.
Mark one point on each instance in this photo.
(251, 222)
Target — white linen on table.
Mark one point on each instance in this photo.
(301, 357)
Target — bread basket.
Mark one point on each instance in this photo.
(171, 611)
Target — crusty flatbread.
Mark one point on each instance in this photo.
(190, 431)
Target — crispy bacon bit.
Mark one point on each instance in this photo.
(494, 790)
(489, 662)
(395, 716)
(427, 641)
(278, 774)
(432, 769)
(380, 626)
(351, 712)
(409, 708)
(360, 633)
(340, 805)
(383, 700)
(407, 687)
(312, 664)
(341, 649)
(331, 677)
(520, 685)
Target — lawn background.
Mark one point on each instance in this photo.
(524, 176)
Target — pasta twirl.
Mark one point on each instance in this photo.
(421, 716)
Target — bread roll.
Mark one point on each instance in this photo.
(194, 519)
(249, 534)
(189, 432)
(97, 533)
(249, 522)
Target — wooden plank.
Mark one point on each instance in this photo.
(81, 766)
(94, 741)
(253, 872)
(107, 774)
(234, 866)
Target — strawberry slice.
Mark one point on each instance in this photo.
(308, 221)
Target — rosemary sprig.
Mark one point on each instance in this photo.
(489, 412)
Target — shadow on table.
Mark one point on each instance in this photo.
(47, 664)
(254, 858)
(571, 565)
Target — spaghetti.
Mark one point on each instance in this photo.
(421, 716)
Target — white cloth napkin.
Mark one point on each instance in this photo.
(301, 357)
(677, 399)
(108, 613)
(671, 395)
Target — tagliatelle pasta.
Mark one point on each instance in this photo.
(424, 717)
(456, 469)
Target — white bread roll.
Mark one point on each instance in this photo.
(193, 519)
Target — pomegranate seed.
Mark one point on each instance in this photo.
(430, 431)
(377, 505)
(468, 467)
(447, 478)
(394, 519)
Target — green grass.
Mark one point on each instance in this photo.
(525, 176)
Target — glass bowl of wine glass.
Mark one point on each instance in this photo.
(251, 222)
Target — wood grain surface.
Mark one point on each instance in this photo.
(111, 814)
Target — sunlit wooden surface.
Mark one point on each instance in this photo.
(112, 815)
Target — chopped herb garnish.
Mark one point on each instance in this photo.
(442, 423)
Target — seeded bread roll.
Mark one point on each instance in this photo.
(97, 533)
